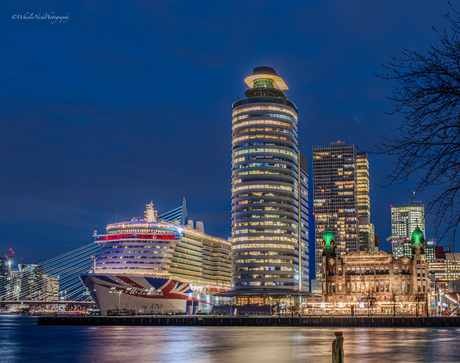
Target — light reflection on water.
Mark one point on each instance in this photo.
(22, 340)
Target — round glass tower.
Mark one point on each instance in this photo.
(265, 187)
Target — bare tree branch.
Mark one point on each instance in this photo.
(427, 142)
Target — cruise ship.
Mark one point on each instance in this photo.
(151, 265)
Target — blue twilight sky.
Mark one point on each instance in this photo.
(130, 101)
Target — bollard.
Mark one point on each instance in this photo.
(337, 348)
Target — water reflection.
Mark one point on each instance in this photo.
(22, 341)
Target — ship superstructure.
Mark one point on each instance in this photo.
(149, 265)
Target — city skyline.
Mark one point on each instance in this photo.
(84, 110)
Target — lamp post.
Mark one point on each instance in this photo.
(418, 298)
(394, 304)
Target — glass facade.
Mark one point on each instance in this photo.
(404, 220)
(341, 200)
(269, 191)
(366, 229)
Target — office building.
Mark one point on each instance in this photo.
(445, 268)
(430, 249)
(4, 266)
(4, 277)
(50, 288)
(269, 192)
(31, 281)
(404, 220)
(366, 228)
(341, 200)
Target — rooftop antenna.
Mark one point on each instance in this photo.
(414, 195)
(275, 65)
(116, 218)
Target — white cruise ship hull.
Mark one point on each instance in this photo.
(146, 295)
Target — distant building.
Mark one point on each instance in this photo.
(31, 281)
(375, 281)
(429, 250)
(444, 269)
(454, 287)
(4, 266)
(404, 220)
(4, 277)
(366, 228)
(14, 286)
(50, 288)
(341, 200)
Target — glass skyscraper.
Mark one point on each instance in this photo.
(269, 191)
(404, 220)
(341, 200)
(366, 228)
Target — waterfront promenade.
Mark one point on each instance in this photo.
(326, 321)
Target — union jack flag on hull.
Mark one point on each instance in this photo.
(143, 294)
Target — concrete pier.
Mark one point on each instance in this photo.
(252, 321)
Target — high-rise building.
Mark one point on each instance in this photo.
(269, 191)
(4, 266)
(366, 228)
(404, 220)
(341, 200)
(50, 287)
(31, 281)
(430, 249)
(4, 277)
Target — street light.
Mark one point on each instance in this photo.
(418, 298)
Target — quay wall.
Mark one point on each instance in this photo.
(251, 321)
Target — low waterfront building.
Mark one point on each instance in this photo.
(376, 282)
(444, 269)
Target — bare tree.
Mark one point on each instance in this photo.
(426, 145)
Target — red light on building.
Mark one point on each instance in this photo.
(313, 214)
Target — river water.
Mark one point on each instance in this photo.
(21, 340)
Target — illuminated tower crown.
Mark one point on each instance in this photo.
(328, 243)
(265, 82)
(418, 240)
